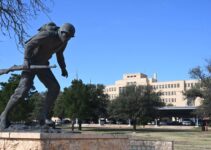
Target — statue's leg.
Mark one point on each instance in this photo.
(21, 91)
(50, 82)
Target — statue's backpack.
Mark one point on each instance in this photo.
(51, 26)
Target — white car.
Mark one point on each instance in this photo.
(186, 122)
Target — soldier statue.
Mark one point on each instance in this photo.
(38, 50)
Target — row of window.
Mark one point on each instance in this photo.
(169, 93)
(131, 83)
(131, 76)
(110, 89)
(169, 100)
(112, 96)
(162, 86)
(189, 84)
(166, 100)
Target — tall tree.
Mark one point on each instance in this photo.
(85, 102)
(23, 109)
(60, 107)
(202, 89)
(77, 101)
(98, 101)
(14, 16)
(136, 103)
(37, 99)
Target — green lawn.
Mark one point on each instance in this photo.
(184, 139)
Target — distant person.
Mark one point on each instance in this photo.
(50, 40)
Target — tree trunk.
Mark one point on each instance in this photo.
(79, 125)
(134, 124)
(72, 124)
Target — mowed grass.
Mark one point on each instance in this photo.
(184, 139)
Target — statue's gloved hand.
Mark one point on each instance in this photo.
(64, 73)
(26, 64)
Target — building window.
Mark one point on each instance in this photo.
(178, 85)
(191, 84)
(121, 90)
(131, 83)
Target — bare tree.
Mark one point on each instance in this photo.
(14, 16)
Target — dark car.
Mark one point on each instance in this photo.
(174, 123)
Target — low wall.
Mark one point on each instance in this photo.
(73, 141)
(62, 141)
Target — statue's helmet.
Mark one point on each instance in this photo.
(69, 28)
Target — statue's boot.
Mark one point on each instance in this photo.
(47, 123)
(50, 123)
(3, 123)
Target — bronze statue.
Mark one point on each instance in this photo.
(38, 50)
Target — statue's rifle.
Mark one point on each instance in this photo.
(21, 67)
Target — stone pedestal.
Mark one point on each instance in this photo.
(62, 141)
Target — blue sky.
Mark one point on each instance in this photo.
(113, 37)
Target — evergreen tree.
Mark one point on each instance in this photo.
(60, 107)
(37, 99)
(24, 108)
(98, 101)
(81, 101)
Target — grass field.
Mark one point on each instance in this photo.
(184, 138)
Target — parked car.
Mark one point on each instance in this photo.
(161, 123)
(66, 121)
(187, 122)
(58, 123)
(174, 123)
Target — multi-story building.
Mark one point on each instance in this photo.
(172, 91)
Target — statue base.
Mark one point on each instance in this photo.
(62, 141)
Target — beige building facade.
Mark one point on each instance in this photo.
(172, 91)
